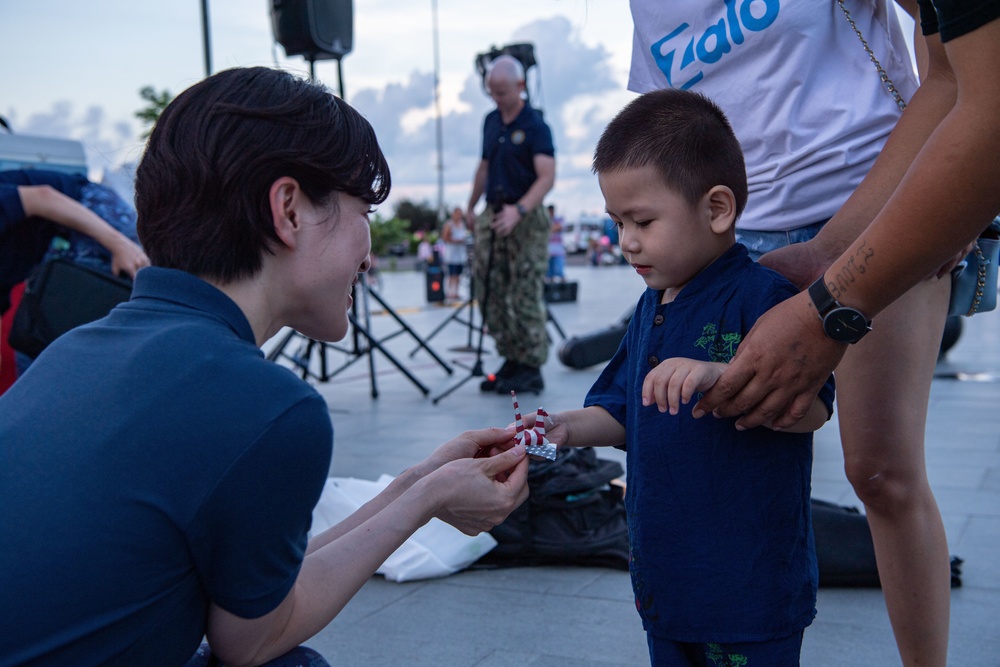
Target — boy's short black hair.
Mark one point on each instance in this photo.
(684, 135)
(202, 187)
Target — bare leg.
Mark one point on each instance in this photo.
(883, 386)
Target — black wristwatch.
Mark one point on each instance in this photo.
(520, 209)
(841, 323)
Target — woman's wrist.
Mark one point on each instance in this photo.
(412, 475)
(421, 493)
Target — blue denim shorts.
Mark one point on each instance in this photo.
(759, 243)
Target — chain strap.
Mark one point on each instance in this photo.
(886, 81)
(980, 280)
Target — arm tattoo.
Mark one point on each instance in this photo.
(856, 265)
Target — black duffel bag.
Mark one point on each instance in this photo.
(574, 515)
(60, 296)
(845, 552)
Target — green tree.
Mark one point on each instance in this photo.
(387, 232)
(156, 103)
(422, 216)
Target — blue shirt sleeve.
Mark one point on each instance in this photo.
(610, 389)
(11, 208)
(249, 539)
(542, 143)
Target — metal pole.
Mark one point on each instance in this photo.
(205, 38)
(442, 214)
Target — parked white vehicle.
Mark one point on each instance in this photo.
(576, 234)
(19, 151)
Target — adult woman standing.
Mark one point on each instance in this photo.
(813, 117)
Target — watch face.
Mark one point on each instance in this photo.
(845, 325)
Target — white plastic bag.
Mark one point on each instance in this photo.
(435, 550)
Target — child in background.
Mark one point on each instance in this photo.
(557, 251)
(456, 235)
(723, 562)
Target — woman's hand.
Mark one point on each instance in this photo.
(470, 444)
(127, 257)
(778, 369)
(474, 495)
(801, 263)
(946, 268)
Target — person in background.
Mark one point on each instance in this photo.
(455, 236)
(557, 251)
(425, 252)
(37, 206)
(517, 170)
(158, 474)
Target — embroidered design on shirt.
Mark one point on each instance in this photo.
(517, 137)
(644, 603)
(720, 347)
(718, 655)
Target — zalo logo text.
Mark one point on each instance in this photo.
(715, 42)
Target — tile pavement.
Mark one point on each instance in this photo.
(562, 616)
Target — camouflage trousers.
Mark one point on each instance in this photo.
(514, 306)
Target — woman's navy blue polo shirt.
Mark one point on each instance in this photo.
(152, 462)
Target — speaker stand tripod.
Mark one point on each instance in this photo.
(470, 324)
(456, 316)
(477, 367)
(364, 343)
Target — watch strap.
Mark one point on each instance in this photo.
(821, 297)
(831, 312)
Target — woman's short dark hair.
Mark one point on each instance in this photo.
(684, 135)
(202, 187)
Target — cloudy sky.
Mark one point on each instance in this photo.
(73, 68)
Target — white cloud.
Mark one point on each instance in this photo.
(100, 60)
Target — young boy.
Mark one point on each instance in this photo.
(723, 561)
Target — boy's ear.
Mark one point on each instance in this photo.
(721, 203)
(285, 197)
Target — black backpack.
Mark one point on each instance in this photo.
(845, 553)
(573, 516)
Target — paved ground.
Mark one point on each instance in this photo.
(567, 616)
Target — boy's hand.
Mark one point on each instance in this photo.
(555, 431)
(675, 381)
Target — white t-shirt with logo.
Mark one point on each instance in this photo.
(795, 82)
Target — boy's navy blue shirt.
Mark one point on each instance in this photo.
(719, 520)
(189, 475)
(510, 151)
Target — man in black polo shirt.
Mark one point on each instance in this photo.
(517, 171)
